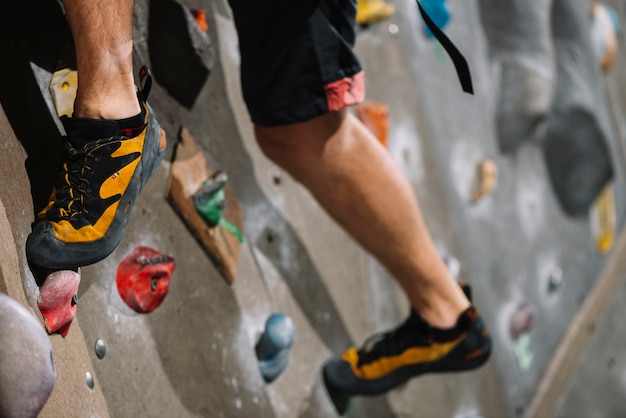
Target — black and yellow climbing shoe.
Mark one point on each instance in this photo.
(389, 359)
(108, 163)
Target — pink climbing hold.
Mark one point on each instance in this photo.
(57, 300)
(143, 278)
(522, 320)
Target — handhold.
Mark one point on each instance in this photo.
(200, 16)
(210, 199)
(375, 116)
(438, 13)
(274, 346)
(190, 170)
(485, 180)
(63, 87)
(57, 301)
(604, 28)
(578, 158)
(522, 320)
(372, 11)
(143, 278)
(603, 220)
(27, 372)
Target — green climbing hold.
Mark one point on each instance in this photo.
(210, 202)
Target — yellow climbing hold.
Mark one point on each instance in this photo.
(371, 11)
(63, 90)
(603, 220)
(485, 180)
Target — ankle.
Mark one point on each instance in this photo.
(119, 105)
(443, 319)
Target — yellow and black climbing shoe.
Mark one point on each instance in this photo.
(108, 163)
(389, 359)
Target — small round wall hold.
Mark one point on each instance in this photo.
(100, 348)
(143, 278)
(89, 380)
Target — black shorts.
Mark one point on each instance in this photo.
(297, 60)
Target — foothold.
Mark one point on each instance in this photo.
(522, 320)
(603, 220)
(578, 158)
(375, 116)
(210, 199)
(100, 348)
(393, 29)
(89, 380)
(485, 180)
(200, 16)
(221, 243)
(372, 11)
(136, 277)
(63, 87)
(523, 352)
(274, 346)
(438, 13)
(555, 279)
(27, 371)
(58, 298)
(604, 27)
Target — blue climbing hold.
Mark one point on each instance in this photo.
(438, 13)
(274, 346)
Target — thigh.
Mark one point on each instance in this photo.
(297, 59)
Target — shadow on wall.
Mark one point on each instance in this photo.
(32, 39)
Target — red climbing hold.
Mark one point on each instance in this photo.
(143, 278)
(57, 300)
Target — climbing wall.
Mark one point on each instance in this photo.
(521, 185)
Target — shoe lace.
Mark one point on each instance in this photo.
(71, 190)
(391, 342)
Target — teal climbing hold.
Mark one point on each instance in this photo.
(439, 14)
(274, 346)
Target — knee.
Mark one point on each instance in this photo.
(275, 144)
(290, 144)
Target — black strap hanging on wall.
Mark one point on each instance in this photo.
(460, 64)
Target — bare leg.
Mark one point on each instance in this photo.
(102, 32)
(356, 181)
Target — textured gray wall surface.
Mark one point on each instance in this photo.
(194, 356)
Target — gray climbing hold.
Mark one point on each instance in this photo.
(27, 372)
(578, 159)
